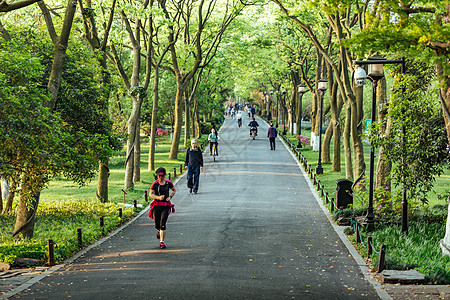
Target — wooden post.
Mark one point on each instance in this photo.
(124, 193)
(135, 204)
(51, 253)
(146, 196)
(327, 200)
(80, 238)
(174, 173)
(358, 237)
(382, 258)
(169, 176)
(120, 214)
(369, 246)
(181, 168)
(332, 204)
(322, 192)
(102, 224)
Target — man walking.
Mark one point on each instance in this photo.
(272, 134)
(194, 164)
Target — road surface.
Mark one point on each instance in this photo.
(254, 231)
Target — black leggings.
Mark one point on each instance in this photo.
(161, 214)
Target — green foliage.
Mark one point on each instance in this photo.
(420, 154)
(39, 143)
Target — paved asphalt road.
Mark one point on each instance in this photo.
(254, 231)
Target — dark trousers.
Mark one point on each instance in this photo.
(196, 173)
(272, 143)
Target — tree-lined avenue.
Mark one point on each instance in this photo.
(254, 231)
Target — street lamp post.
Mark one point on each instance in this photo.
(301, 89)
(283, 114)
(322, 86)
(375, 73)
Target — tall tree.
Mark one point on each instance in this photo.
(185, 64)
(99, 45)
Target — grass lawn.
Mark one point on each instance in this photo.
(64, 207)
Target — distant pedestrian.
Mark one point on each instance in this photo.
(161, 206)
(272, 134)
(194, 164)
(253, 110)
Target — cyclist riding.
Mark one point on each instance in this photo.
(253, 126)
(213, 139)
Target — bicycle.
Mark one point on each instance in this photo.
(214, 151)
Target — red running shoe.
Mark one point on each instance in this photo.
(157, 234)
(162, 245)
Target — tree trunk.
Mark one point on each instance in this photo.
(187, 120)
(326, 157)
(383, 166)
(131, 142)
(4, 191)
(103, 174)
(178, 121)
(347, 144)
(151, 153)
(1, 197)
(316, 124)
(356, 131)
(193, 117)
(26, 211)
(335, 113)
(102, 187)
(336, 163)
(10, 197)
(60, 46)
(298, 112)
(197, 123)
(137, 152)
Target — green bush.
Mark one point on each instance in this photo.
(205, 127)
(217, 119)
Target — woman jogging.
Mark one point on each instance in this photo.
(161, 206)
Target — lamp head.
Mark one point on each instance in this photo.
(323, 84)
(301, 88)
(376, 71)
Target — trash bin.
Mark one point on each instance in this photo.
(344, 193)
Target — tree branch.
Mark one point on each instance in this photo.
(5, 7)
(48, 21)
